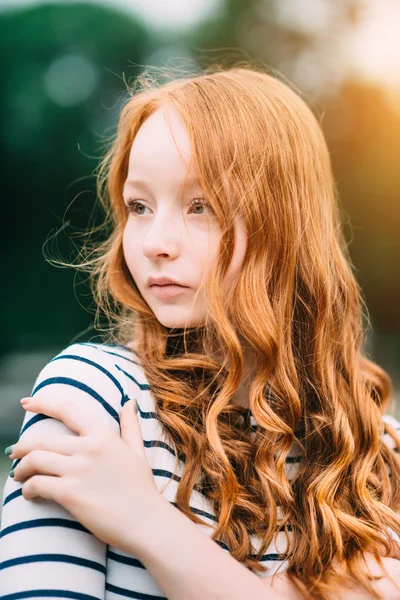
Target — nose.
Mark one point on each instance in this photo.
(162, 238)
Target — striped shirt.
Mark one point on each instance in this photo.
(44, 551)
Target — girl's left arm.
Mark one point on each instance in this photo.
(187, 563)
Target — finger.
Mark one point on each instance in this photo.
(41, 461)
(390, 571)
(50, 488)
(130, 429)
(282, 583)
(72, 414)
(394, 551)
(66, 444)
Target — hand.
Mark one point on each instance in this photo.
(102, 479)
(385, 587)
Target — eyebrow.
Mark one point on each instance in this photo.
(191, 182)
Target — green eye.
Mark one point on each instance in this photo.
(132, 204)
(199, 202)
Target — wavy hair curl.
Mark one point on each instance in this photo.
(260, 153)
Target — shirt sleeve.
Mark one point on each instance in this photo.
(390, 420)
(390, 443)
(44, 551)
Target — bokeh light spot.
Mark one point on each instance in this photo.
(70, 79)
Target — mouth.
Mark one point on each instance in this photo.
(168, 290)
(167, 285)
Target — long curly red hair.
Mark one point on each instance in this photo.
(259, 152)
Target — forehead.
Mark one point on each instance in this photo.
(160, 153)
(142, 182)
(163, 134)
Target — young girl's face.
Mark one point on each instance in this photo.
(161, 239)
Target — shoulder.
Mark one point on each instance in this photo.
(101, 375)
(386, 418)
(390, 420)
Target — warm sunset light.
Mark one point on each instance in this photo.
(374, 47)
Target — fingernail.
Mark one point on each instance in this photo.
(12, 473)
(8, 450)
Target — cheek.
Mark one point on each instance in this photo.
(128, 248)
(201, 246)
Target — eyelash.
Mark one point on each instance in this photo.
(132, 203)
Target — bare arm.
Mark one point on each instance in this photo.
(186, 563)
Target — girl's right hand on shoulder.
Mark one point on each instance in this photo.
(284, 586)
(384, 586)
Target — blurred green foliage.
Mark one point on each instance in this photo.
(50, 143)
(62, 70)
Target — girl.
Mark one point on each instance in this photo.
(239, 333)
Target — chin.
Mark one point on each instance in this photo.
(172, 320)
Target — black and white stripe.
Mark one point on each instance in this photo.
(44, 552)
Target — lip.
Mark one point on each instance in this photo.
(168, 291)
(163, 281)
